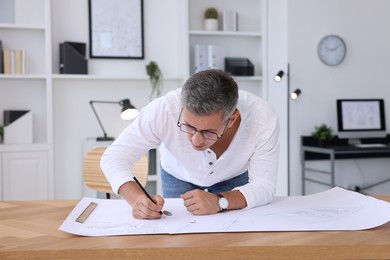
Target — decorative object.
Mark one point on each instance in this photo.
(211, 19)
(322, 133)
(332, 50)
(18, 127)
(128, 112)
(156, 78)
(7, 11)
(116, 29)
(229, 21)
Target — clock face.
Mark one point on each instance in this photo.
(332, 50)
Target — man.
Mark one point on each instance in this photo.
(218, 147)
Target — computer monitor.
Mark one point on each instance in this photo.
(361, 118)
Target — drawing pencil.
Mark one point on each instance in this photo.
(146, 193)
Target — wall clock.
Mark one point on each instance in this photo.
(332, 50)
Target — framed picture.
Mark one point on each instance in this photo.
(116, 29)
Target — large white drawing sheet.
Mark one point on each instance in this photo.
(335, 209)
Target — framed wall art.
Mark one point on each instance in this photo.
(116, 29)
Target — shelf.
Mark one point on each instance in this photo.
(23, 147)
(107, 77)
(223, 33)
(248, 78)
(21, 27)
(22, 76)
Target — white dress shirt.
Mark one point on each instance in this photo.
(253, 148)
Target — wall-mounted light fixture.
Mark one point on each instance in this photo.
(128, 112)
(295, 94)
(278, 77)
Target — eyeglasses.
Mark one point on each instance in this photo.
(189, 129)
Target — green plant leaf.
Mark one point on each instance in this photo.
(323, 132)
(156, 78)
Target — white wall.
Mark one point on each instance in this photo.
(363, 74)
(74, 120)
(277, 91)
(364, 25)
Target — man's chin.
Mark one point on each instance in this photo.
(199, 148)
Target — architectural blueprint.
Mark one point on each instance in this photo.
(334, 209)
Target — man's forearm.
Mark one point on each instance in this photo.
(130, 192)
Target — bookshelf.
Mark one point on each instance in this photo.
(38, 28)
(26, 170)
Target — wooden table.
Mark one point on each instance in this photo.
(29, 230)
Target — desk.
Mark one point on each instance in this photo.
(337, 149)
(29, 230)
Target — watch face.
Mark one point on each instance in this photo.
(332, 50)
(223, 203)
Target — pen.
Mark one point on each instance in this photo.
(145, 192)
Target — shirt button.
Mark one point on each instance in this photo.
(210, 163)
(211, 172)
(208, 151)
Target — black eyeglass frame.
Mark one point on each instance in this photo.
(201, 131)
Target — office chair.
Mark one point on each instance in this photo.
(94, 177)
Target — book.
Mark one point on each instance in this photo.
(18, 61)
(7, 61)
(12, 52)
(25, 63)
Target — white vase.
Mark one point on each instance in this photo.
(211, 24)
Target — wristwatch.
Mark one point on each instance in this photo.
(223, 203)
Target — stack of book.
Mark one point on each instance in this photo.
(13, 61)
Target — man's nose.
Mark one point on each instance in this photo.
(197, 138)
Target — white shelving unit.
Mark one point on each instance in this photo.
(26, 170)
(248, 42)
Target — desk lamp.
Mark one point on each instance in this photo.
(128, 112)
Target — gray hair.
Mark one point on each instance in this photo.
(210, 91)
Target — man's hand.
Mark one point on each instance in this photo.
(144, 208)
(200, 202)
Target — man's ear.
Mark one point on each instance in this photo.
(234, 117)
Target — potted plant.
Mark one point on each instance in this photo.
(156, 78)
(211, 19)
(323, 134)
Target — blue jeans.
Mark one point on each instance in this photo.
(173, 187)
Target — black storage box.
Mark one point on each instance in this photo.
(239, 66)
(72, 58)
